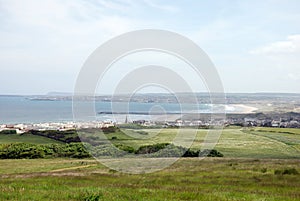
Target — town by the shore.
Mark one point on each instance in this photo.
(236, 114)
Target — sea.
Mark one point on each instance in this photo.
(21, 109)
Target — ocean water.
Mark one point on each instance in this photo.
(19, 109)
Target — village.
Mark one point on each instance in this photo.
(281, 120)
(62, 126)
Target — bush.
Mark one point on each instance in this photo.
(264, 170)
(148, 149)
(111, 129)
(24, 150)
(68, 136)
(7, 132)
(211, 153)
(191, 153)
(170, 150)
(126, 148)
(289, 171)
(278, 172)
(78, 150)
(107, 150)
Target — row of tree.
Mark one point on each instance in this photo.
(25, 150)
(78, 150)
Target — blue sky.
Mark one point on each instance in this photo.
(255, 45)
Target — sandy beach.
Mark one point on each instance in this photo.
(239, 109)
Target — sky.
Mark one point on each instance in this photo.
(255, 45)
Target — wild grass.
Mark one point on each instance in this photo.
(234, 142)
(258, 164)
(187, 179)
(252, 144)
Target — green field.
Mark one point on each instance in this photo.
(258, 164)
(28, 138)
(234, 142)
(274, 143)
(187, 179)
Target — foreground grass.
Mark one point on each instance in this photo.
(187, 179)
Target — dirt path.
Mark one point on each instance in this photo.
(72, 168)
(58, 173)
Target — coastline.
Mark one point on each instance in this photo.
(240, 109)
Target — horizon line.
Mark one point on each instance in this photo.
(146, 93)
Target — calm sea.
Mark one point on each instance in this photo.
(19, 109)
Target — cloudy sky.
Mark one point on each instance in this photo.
(255, 45)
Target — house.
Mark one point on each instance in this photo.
(139, 122)
(275, 123)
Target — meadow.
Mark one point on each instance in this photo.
(187, 179)
(233, 143)
(258, 164)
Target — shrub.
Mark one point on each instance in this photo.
(210, 153)
(24, 150)
(68, 136)
(111, 129)
(78, 150)
(289, 171)
(126, 148)
(148, 149)
(264, 170)
(107, 150)
(191, 153)
(7, 132)
(170, 150)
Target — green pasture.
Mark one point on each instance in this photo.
(187, 179)
(280, 143)
(233, 142)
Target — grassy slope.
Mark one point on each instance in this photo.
(258, 143)
(234, 142)
(26, 138)
(188, 179)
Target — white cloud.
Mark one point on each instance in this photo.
(214, 31)
(288, 46)
(164, 7)
(282, 58)
(55, 35)
(63, 15)
(294, 77)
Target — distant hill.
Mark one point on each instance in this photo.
(54, 93)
